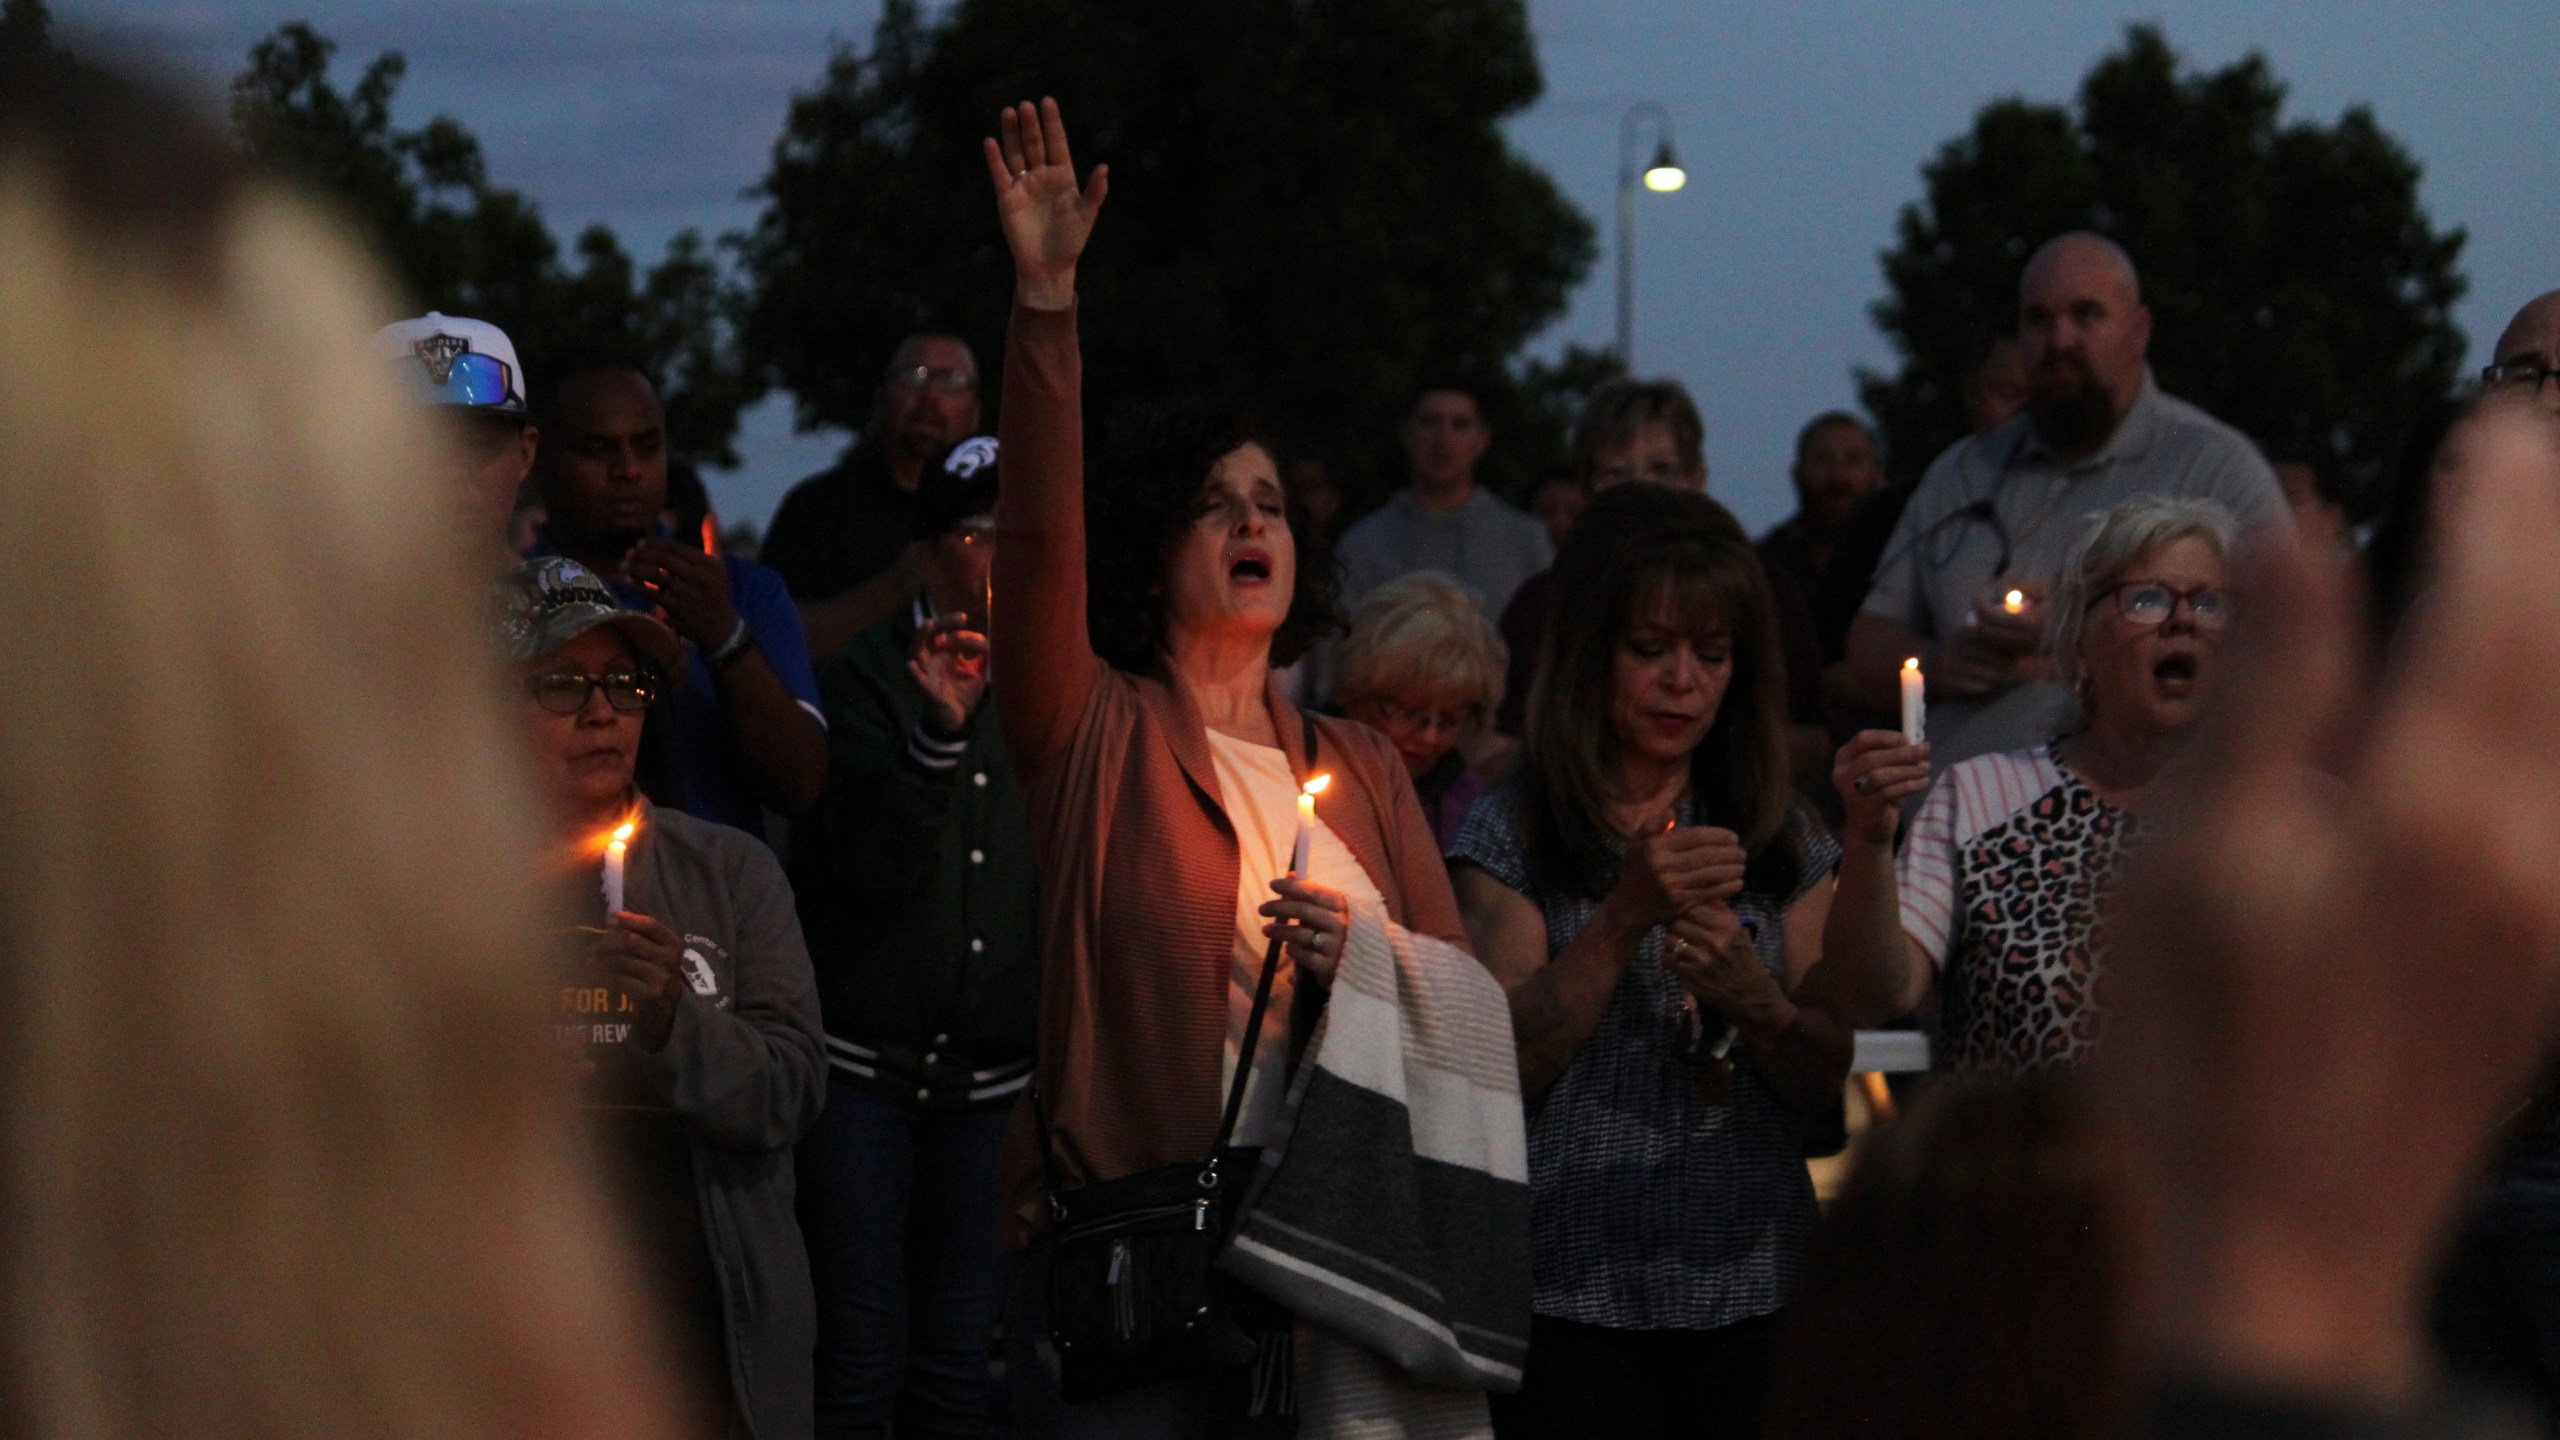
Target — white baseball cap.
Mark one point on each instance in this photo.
(448, 360)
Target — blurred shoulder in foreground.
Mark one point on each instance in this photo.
(271, 1082)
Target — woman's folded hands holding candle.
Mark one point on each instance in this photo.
(1713, 957)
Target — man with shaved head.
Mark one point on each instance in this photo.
(1963, 581)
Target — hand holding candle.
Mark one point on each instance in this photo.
(1914, 709)
(1306, 822)
(616, 851)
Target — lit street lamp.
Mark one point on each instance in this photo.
(1663, 176)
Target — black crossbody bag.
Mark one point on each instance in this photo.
(1134, 1295)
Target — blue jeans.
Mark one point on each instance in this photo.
(900, 1210)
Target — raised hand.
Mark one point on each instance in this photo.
(2328, 989)
(949, 662)
(1046, 218)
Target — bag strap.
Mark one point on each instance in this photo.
(1048, 1150)
(1244, 1059)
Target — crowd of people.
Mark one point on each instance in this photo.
(1068, 944)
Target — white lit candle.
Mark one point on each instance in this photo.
(1306, 823)
(1914, 724)
(615, 851)
(2015, 602)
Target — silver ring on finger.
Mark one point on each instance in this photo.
(1679, 946)
(1859, 784)
(1022, 174)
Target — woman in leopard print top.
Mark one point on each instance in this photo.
(2003, 881)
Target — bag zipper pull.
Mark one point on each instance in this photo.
(1200, 1215)
(1124, 1299)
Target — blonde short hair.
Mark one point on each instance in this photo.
(1421, 633)
(2113, 541)
(280, 1149)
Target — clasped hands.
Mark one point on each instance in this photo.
(1685, 881)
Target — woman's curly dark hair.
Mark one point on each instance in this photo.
(1141, 500)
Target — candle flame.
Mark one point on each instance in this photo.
(1912, 665)
(1316, 786)
(2014, 602)
(622, 836)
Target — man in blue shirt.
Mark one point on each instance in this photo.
(748, 730)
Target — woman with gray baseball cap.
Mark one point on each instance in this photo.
(691, 1010)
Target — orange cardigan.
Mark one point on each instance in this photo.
(1138, 861)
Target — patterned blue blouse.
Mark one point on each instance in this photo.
(1650, 1209)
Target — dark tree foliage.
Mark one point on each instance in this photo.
(1311, 202)
(461, 245)
(2298, 289)
(26, 27)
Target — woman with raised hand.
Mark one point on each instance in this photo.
(2003, 880)
(1654, 899)
(1135, 629)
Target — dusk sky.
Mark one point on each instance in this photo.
(1803, 127)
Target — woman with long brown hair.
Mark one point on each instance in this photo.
(1652, 897)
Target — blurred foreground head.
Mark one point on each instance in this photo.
(277, 1156)
(1970, 1281)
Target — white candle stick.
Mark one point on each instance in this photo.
(1306, 823)
(615, 851)
(1914, 708)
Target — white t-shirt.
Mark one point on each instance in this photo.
(1261, 797)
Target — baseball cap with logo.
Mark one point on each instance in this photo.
(957, 488)
(545, 603)
(448, 360)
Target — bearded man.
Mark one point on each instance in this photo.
(1963, 581)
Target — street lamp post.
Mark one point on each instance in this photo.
(1663, 175)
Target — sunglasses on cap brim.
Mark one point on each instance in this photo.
(474, 379)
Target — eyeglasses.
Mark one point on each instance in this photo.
(941, 380)
(2148, 602)
(2525, 372)
(565, 692)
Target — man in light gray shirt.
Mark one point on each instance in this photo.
(1998, 512)
(1444, 521)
